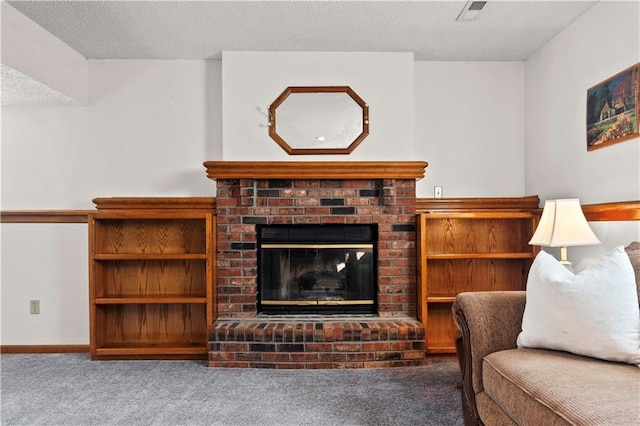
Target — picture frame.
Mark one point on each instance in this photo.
(612, 109)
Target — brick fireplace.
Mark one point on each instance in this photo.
(253, 194)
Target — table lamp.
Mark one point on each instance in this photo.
(563, 224)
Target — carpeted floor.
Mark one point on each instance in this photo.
(69, 389)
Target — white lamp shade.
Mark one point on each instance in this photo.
(563, 224)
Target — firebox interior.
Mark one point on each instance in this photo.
(317, 269)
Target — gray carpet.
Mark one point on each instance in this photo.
(68, 389)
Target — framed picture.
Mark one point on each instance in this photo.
(612, 109)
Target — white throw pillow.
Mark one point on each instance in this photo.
(593, 313)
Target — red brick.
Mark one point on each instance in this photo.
(307, 220)
(276, 356)
(347, 347)
(288, 333)
(413, 354)
(318, 347)
(333, 219)
(234, 347)
(307, 202)
(319, 193)
(401, 346)
(247, 356)
(320, 365)
(349, 365)
(338, 332)
(375, 346)
(235, 364)
(304, 357)
(291, 211)
(306, 184)
(329, 333)
(262, 365)
(361, 356)
(318, 335)
(308, 332)
(377, 364)
(290, 365)
(388, 355)
(332, 356)
(360, 184)
(298, 333)
(319, 211)
(345, 193)
(243, 298)
(226, 202)
(217, 356)
(280, 202)
(268, 332)
(368, 210)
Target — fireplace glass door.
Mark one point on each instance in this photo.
(319, 269)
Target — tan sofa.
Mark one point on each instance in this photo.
(503, 385)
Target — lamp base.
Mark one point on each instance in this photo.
(563, 258)
(567, 264)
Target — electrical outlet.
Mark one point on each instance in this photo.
(34, 306)
(437, 191)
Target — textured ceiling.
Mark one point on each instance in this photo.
(504, 31)
(21, 90)
(144, 29)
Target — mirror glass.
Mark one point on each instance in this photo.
(317, 120)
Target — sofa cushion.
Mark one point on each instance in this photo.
(633, 250)
(594, 313)
(490, 412)
(537, 386)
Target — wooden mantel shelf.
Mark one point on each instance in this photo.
(155, 203)
(315, 169)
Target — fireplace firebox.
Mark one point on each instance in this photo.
(317, 269)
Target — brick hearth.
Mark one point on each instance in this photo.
(250, 193)
(316, 343)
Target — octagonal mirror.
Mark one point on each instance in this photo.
(318, 120)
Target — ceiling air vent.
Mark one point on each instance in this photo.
(470, 11)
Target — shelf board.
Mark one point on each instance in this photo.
(437, 215)
(441, 349)
(141, 349)
(151, 256)
(145, 300)
(455, 256)
(441, 299)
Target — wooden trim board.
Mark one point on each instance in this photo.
(43, 349)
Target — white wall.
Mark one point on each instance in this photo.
(252, 80)
(45, 262)
(557, 164)
(149, 127)
(470, 128)
(146, 132)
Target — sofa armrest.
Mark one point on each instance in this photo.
(488, 322)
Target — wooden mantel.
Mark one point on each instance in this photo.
(315, 169)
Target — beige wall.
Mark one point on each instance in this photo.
(557, 164)
(149, 126)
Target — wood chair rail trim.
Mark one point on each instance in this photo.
(610, 212)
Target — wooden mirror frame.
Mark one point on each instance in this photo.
(273, 133)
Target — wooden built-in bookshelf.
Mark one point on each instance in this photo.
(151, 269)
(469, 245)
